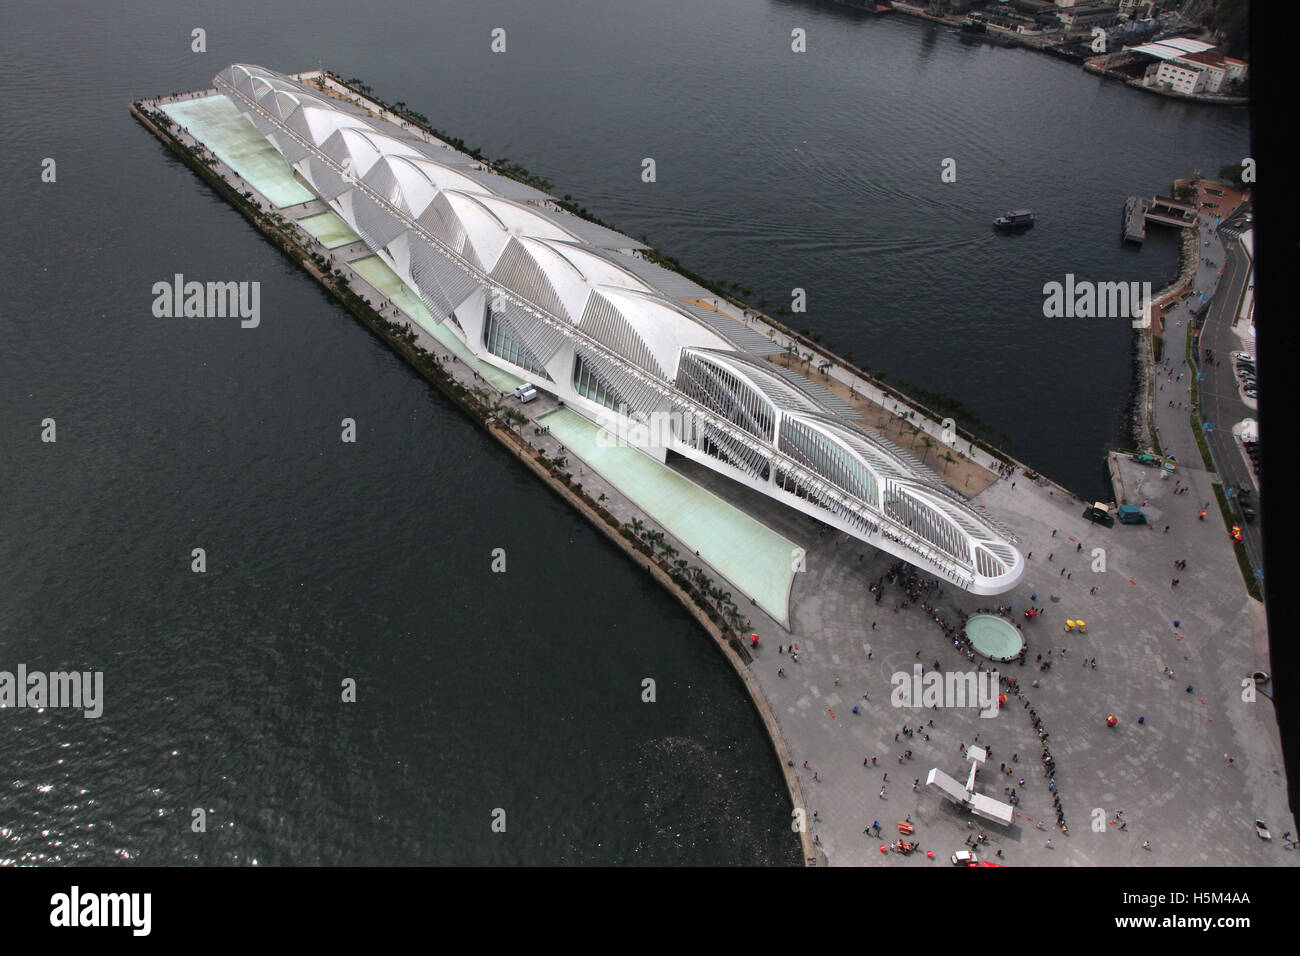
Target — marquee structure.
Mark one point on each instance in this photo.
(579, 310)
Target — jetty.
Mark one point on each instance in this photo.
(847, 619)
(1161, 210)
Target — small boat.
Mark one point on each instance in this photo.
(1015, 219)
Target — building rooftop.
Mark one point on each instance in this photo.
(535, 290)
(1172, 47)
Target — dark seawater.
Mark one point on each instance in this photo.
(372, 561)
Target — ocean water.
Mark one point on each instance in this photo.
(480, 692)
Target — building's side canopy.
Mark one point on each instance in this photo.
(528, 280)
(870, 468)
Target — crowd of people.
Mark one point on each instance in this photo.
(915, 588)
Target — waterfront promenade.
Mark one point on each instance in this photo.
(1169, 775)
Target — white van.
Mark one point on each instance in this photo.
(525, 393)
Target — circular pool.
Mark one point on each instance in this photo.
(994, 637)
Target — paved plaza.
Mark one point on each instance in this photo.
(1168, 775)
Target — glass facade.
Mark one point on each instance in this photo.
(588, 385)
(499, 340)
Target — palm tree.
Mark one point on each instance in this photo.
(929, 444)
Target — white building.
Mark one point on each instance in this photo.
(1189, 66)
(576, 309)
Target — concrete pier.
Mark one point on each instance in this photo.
(1161, 210)
(1192, 760)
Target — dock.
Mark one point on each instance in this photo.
(836, 704)
(1161, 210)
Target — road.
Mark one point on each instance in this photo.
(1220, 399)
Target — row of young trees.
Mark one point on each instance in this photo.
(715, 600)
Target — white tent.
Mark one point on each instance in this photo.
(991, 809)
(946, 785)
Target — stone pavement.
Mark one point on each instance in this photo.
(1168, 775)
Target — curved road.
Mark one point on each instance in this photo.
(1220, 398)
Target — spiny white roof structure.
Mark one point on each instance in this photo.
(573, 307)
